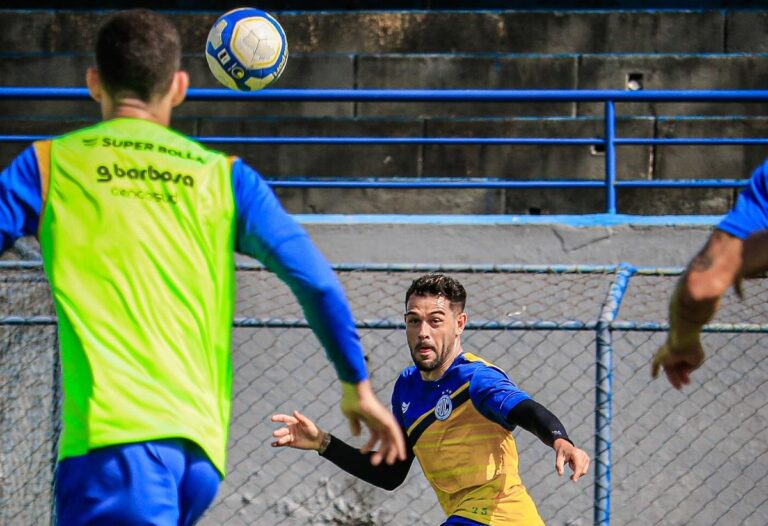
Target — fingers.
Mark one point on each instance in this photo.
(677, 370)
(386, 451)
(301, 418)
(354, 425)
(371, 443)
(738, 288)
(394, 452)
(579, 465)
(283, 441)
(284, 419)
(578, 461)
(560, 462)
(284, 437)
(400, 444)
(392, 443)
(656, 365)
(658, 360)
(377, 457)
(679, 375)
(390, 440)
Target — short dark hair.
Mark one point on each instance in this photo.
(137, 53)
(438, 285)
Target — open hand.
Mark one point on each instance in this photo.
(297, 432)
(678, 362)
(568, 454)
(360, 405)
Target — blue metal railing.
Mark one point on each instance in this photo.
(609, 140)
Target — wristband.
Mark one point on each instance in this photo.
(324, 444)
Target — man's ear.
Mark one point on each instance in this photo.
(461, 322)
(93, 81)
(179, 87)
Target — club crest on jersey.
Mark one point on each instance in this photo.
(443, 407)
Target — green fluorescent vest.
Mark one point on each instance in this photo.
(137, 236)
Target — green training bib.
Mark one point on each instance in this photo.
(137, 236)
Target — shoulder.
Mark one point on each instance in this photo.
(242, 169)
(407, 375)
(408, 379)
(481, 368)
(488, 378)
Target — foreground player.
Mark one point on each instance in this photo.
(137, 226)
(457, 411)
(738, 248)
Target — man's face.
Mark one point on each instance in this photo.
(433, 330)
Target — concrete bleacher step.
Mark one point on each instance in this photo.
(483, 49)
(475, 31)
(706, 49)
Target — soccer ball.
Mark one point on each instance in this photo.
(246, 49)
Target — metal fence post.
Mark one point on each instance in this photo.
(610, 157)
(603, 395)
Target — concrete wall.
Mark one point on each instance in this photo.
(449, 49)
(693, 31)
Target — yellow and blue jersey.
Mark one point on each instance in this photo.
(458, 430)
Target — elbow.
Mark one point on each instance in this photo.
(700, 288)
(394, 479)
(322, 286)
(714, 269)
(392, 485)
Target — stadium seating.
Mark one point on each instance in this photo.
(480, 49)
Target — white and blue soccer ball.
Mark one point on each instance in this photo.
(246, 49)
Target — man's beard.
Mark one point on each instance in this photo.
(427, 366)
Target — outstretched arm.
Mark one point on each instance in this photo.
(736, 249)
(694, 302)
(534, 417)
(501, 401)
(268, 233)
(300, 432)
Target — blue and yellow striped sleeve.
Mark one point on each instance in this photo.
(20, 198)
(750, 213)
(265, 231)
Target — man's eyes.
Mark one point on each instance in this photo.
(431, 321)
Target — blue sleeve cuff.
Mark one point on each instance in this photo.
(20, 198)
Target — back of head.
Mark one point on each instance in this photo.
(137, 53)
(438, 285)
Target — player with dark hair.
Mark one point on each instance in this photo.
(137, 227)
(737, 249)
(457, 412)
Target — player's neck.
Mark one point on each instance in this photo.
(137, 109)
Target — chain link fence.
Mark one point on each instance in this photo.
(699, 457)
